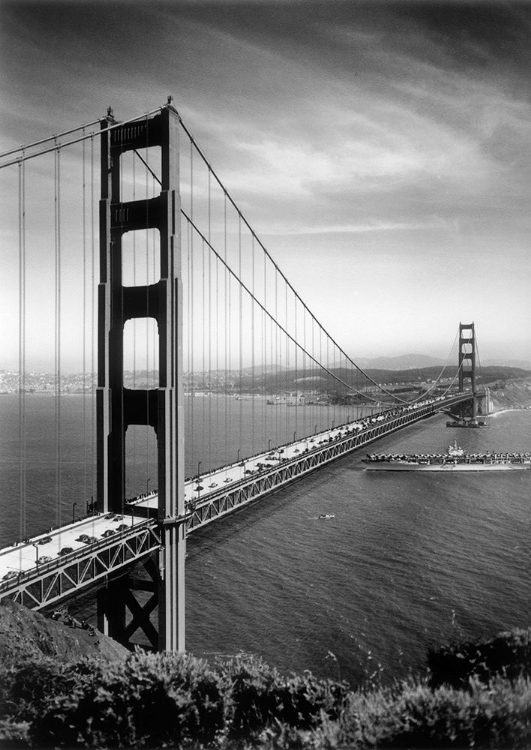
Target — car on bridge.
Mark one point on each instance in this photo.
(109, 532)
(9, 575)
(44, 540)
(43, 559)
(65, 551)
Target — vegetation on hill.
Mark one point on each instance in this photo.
(306, 379)
(510, 394)
(473, 695)
(28, 635)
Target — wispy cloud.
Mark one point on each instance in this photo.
(363, 228)
(344, 130)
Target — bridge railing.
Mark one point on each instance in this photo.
(51, 582)
(54, 580)
(224, 500)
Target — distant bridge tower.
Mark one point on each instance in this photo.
(120, 613)
(467, 369)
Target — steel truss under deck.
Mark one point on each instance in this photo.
(223, 502)
(65, 576)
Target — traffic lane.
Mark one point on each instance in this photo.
(24, 556)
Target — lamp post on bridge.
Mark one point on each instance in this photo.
(147, 485)
(73, 512)
(198, 488)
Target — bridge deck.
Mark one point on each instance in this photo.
(53, 565)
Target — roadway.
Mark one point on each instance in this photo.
(44, 548)
(35, 553)
(198, 489)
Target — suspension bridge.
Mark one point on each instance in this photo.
(214, 377)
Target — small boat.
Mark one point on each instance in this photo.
(327, 515)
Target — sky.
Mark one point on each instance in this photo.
(380, 150)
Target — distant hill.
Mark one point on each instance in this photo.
(523, 364)
(402, 362)
(424, 374)
(415, 361)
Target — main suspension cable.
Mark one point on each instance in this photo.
(49, 138)
(233, 275)
(84, 137)
(265, 250)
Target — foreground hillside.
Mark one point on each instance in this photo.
(472, 695)
(25, 634)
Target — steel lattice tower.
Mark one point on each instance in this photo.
(162, 407)
(467, 367)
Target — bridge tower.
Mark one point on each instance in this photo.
(467, 370)
(120, 608)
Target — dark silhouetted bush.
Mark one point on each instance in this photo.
(146, 701)
(415, 716)
(261, 696)
(508, 655)
(25, 690)
(177, 701)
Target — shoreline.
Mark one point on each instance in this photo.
(505, 411)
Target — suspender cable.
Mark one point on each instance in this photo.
(203, 355)
(134, 322)
(53, 148)
(93, 313)
(278, 357)
(49, 138)
(296, 368)
(228, 374)
(191, 271)
(253, 362)
(289, 285)
(218, 317)
(146, 321)
(57, 201)
(210, 381)
(286, 437)
(22, 343)
(84, 323)
(266, 354)
(240, 330)
(192, 308)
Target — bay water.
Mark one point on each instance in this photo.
(408, 560)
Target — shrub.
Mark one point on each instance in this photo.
(175, 700)
(13, 734)
(415, 716)
(261, 697)
(26, 689)
(508, 655)
(146, 701)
